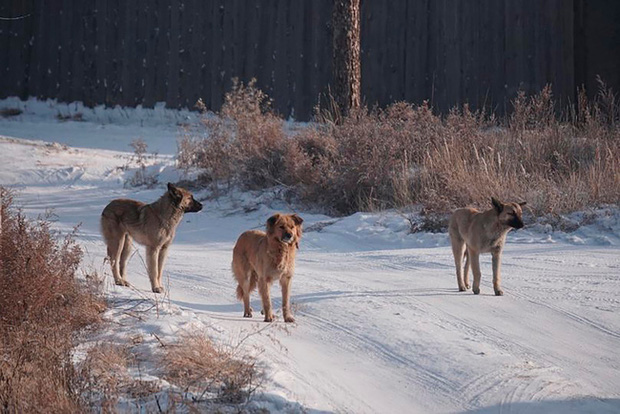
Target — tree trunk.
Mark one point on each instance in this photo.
(346, 55)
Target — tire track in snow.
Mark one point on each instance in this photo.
(523, 383)
(582, 319)
(425, 377)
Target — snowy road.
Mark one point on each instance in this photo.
(380, 324)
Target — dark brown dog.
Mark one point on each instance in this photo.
(152, 225)
(261, 258)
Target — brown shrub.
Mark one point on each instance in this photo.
(210, 372)
(405, 154)
(244, 145)
(42, 309)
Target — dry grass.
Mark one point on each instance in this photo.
(207, 372)
(43, 307)
(245, 145)
(105, 377)
(558, 161)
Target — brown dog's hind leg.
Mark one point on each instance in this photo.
(115, 248)
(125, 253)
(458, 249)
(466, 271)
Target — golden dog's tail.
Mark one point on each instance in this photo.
(239, 292)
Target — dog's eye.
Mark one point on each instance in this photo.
(282, 227)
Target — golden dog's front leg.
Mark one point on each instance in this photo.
(263, 289)
(285, 282)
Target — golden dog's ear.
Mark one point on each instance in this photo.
(271, 221)
(498, 205)
(298, 220)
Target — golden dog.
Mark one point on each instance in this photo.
(473, 232)
(261, 258)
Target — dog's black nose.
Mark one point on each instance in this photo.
(287, 236)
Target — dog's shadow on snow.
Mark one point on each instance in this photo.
(234, 309)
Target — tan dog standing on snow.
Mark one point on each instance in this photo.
(261, 258)
(473, 232)
(152, 225)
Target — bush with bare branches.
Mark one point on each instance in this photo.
(405, 154)
(207, 372)
(43, 307)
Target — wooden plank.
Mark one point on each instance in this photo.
(452, 33)
(217, 78)
(89, 74)
(253, 29)
(64, 48)
(300, 102)
(206, 52)
(35, 72)
(265, 51)
(77, 83)
(279, 77)
(142, 23)
(172, 93)
(25, 30)
(4, 50)
(109, 58)
(227, 45)
(152, 39)
(12, 51)
(163, 50)
(185, 38)
(289, 52)
(53, 34)
(306, 72)
(101, 28)
(193, 85)
(127, 53)
(19, 45)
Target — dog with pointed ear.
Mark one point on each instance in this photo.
(473, 232)
(152, 225)
(260, 258)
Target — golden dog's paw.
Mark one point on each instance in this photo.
(289, 318)
(476, 291)
(121, 282)
(499, 292)
(269, 318)
(158, 290)
(247, 314)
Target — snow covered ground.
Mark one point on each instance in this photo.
(380, 324)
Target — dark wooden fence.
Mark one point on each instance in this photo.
(445, 51)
